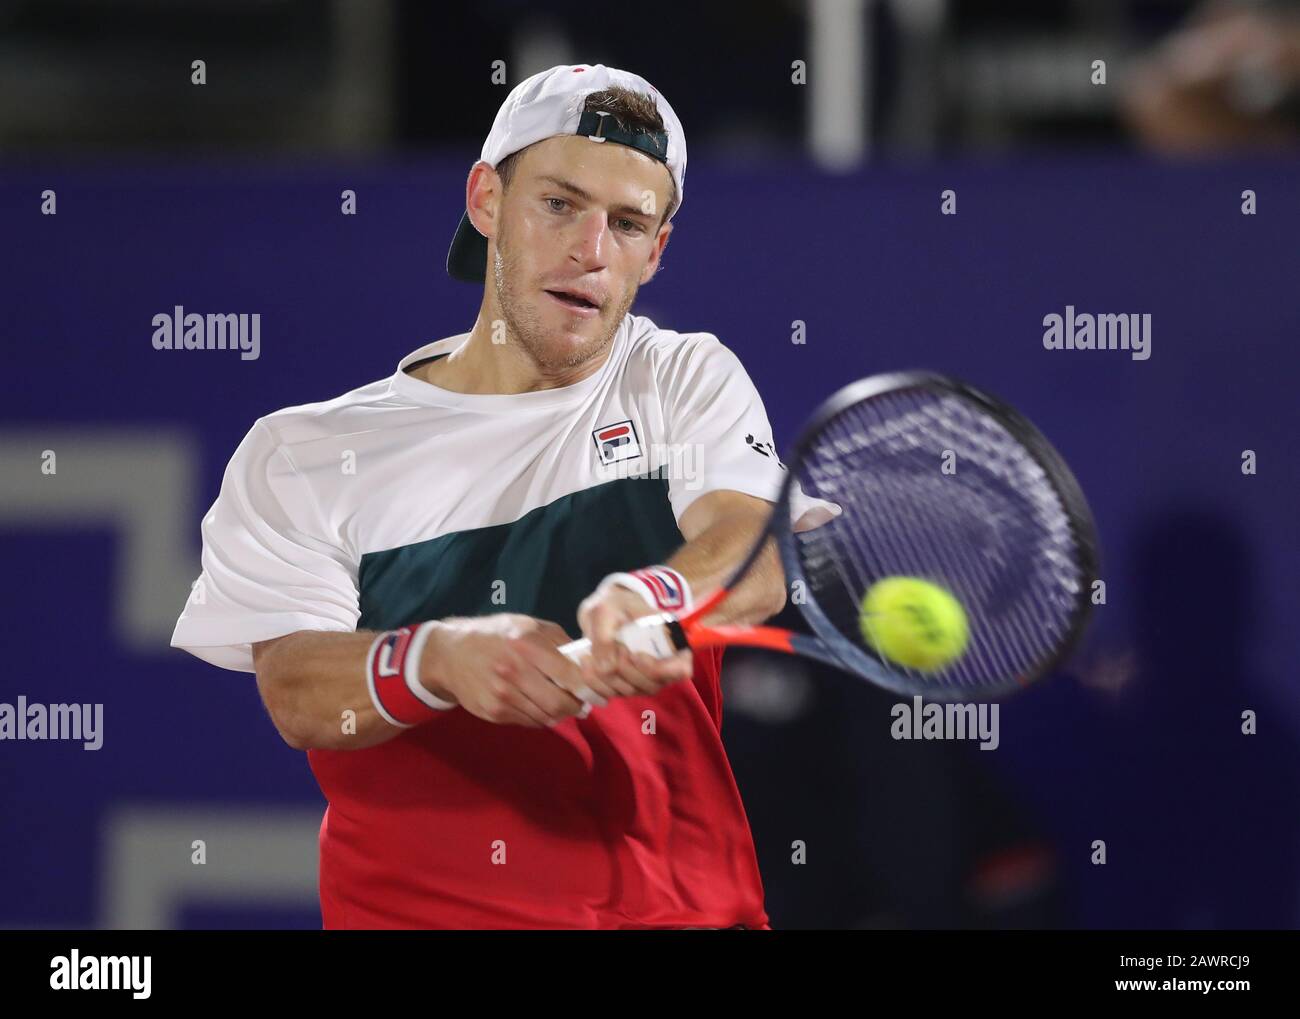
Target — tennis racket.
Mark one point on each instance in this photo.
(935, 480)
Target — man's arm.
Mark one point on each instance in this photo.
(309, 679)
(720, 527)
(500, 667)
(497, 667)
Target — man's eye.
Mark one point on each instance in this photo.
(636, 227)
(559, 204)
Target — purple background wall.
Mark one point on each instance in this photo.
(1201, 821)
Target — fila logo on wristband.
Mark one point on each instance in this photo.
(662, 587)
(393, 676)
(671, 592)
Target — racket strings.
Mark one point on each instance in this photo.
(936, 517)
(926, 553)
(932, 486)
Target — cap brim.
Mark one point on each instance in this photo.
(467, 256)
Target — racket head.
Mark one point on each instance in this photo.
(1009, 526)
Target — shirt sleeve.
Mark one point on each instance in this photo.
(268, 568)
(720, 429)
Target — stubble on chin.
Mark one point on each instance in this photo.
(524, 324)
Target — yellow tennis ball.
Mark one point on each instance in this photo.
(914, 623)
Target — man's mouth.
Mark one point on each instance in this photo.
(574, 301)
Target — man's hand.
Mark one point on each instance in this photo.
(503, 668)
(612, 670)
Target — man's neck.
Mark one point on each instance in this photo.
(480, 367)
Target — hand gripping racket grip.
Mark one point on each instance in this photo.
(649, 634)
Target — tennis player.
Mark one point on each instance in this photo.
(398, 565)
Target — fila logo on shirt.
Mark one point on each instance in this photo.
(616, 442)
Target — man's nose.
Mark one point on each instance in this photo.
(591, 242)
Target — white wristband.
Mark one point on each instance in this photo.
(411, 671)
(662, 587)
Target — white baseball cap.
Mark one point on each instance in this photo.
(551, 103)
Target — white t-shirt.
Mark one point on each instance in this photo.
(402, 501)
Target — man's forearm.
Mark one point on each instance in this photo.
(712, 556)
(314, 683)
(315, 688)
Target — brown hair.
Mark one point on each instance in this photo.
(634, 111)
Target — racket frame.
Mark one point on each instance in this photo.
(827, 645)
(853, 658)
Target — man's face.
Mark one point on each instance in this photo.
(577, 233)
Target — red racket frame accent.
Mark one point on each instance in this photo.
(698, 636)
(771, 637)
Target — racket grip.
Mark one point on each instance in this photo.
(647, 634)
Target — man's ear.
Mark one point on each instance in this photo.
(661, 242)
(482, 198)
